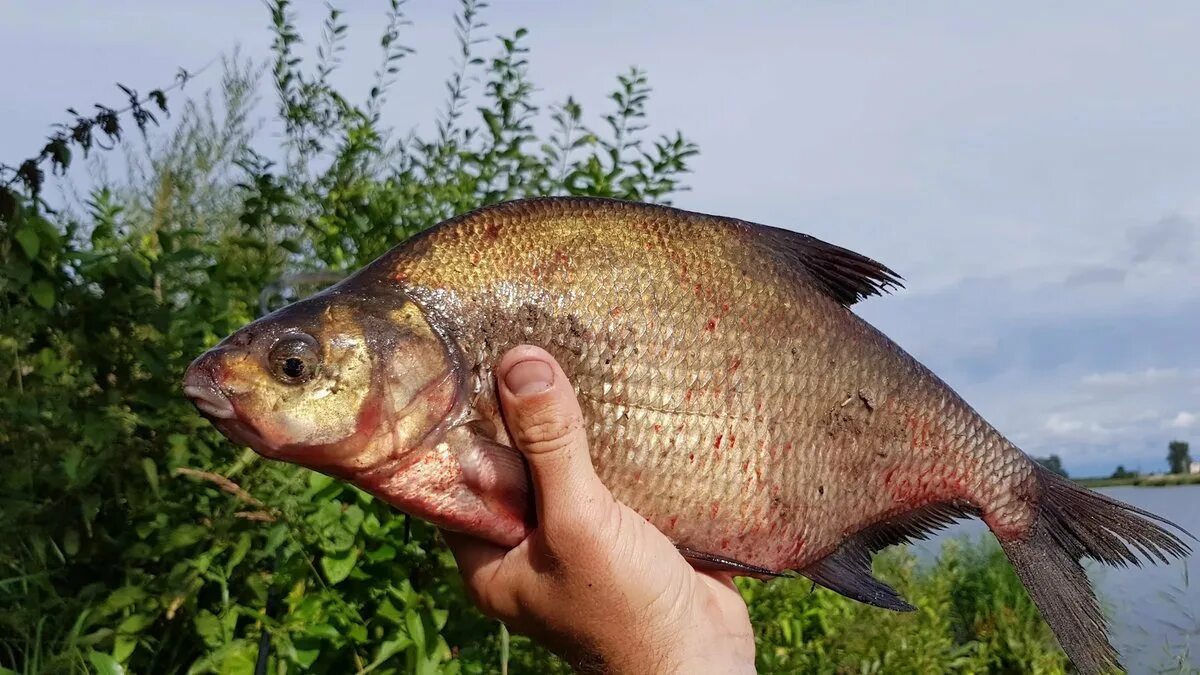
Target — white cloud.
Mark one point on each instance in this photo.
(1138, 378)
(1184, 420)
(1061, 424)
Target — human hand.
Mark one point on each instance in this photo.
(595, 582)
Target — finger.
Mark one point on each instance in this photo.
(546, 423)
(480, 564)
(474, 556)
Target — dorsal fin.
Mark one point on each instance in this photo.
(845, 275)
(842, 274)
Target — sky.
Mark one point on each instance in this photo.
(1031, 170)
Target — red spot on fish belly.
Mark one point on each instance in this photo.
(711, 325)
(717, 445)
(715, 509)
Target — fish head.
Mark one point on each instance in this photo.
(341, 382)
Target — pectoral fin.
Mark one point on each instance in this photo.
(498, 478)
(715, 563)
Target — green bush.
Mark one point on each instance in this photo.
(137, 539)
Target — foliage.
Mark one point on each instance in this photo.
(1143, 480)
(1123, 473)
(138, 539)
(136, 536)
(1053, 463)
(973, 616)
(103, 129)
(1178, 457)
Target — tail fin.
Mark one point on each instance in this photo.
(1072, 523)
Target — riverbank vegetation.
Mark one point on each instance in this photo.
(139, 540)
(1149, 480)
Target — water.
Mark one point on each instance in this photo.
(1154, 610)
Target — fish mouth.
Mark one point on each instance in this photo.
(202, 389)
(211, 403)
(200, 386)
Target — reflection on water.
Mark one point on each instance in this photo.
(1154, 610)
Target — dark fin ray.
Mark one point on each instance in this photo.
(915, 525)
(845, 275)
(716, 563)
(1073, 523)
(848, 571)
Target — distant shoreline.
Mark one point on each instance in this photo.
(1161, 480)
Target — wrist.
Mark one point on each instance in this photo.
(639, 654)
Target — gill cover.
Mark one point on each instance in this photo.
(340, 382)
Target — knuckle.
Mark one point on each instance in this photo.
(486, 601)
(585, 533)
(548, 430)
(480, 598)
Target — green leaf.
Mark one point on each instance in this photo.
(123, 647)
(239, 553)
(29, 241)
(134, 623)
(416, 628)
(72, 459)
(42, 293)
(151, 471)
(383, 553)
(307, 651)
(186, 534)
(105, 664)
(209, 628)
(323, 631)
(124, 597)
(70, 541)
(337, 566)
(387, 650)
(352, 518)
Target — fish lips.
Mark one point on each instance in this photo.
(200, 386)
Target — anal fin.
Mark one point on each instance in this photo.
(848, 571)
(715, 563)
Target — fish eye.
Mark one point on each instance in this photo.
(294, 359)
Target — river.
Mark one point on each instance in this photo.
(1154, 610)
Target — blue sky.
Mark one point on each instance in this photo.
(1032, 171)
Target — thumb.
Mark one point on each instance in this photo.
(546, 424)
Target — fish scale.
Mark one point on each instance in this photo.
(690, 314)
(730, 396)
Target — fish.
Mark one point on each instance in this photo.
(731, 396)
